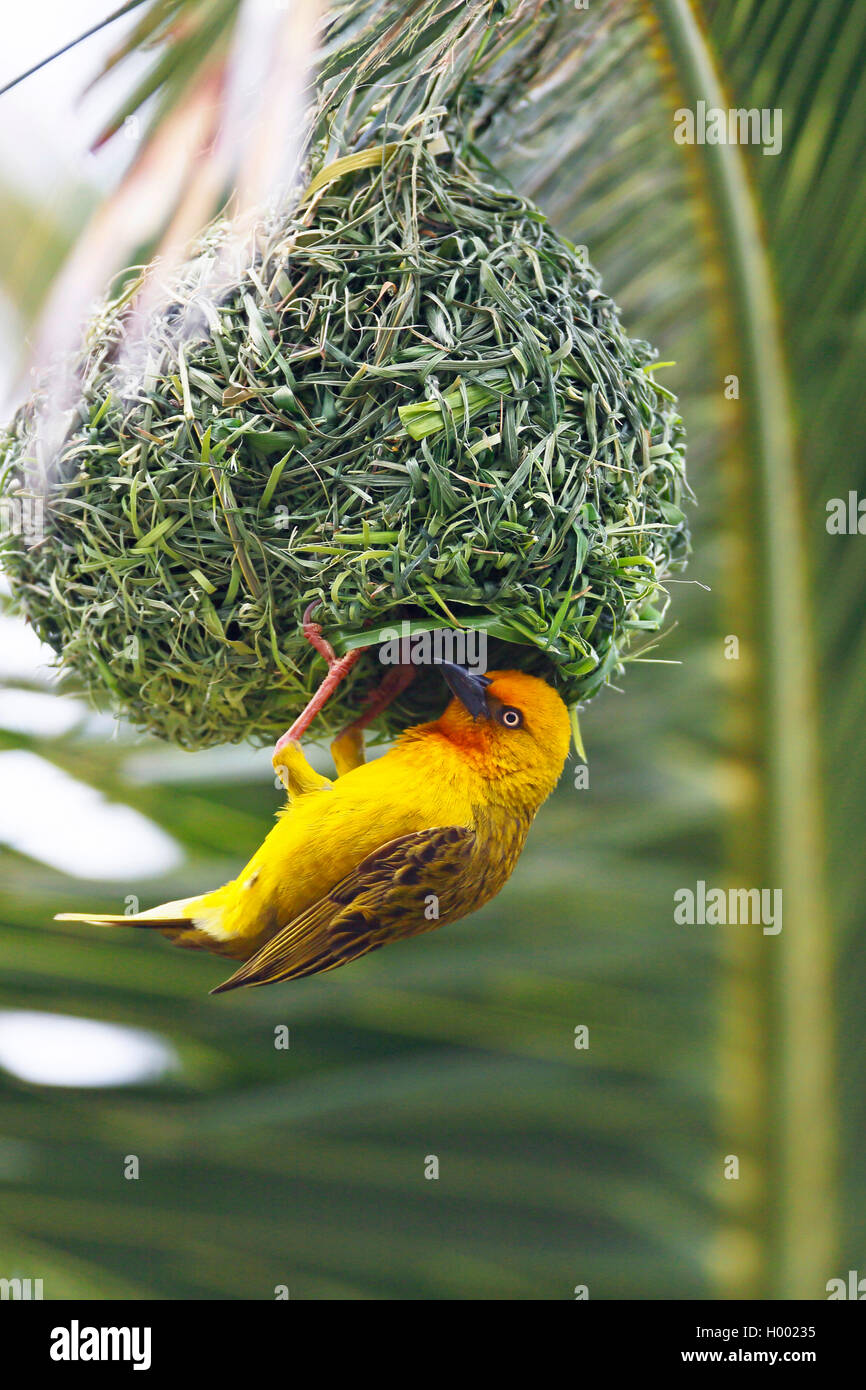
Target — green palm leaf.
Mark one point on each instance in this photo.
(558, 1166)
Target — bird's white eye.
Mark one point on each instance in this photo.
(511, 718)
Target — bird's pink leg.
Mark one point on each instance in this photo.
(338, 667)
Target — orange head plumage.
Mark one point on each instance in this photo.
(512, 727)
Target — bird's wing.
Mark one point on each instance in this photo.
(383, 899)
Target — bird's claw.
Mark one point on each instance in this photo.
(295, 773)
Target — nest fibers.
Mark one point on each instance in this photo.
(413, 403)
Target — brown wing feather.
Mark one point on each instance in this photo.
(381, 900)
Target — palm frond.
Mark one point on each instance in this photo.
(558, 1166)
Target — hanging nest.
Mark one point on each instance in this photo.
(413, 402)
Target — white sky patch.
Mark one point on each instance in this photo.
(48, 815)
(36, 712)
(9, 328)
(57, 1050)
(233, 763)
(22, 655)
(49, 120)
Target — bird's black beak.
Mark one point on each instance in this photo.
(470, 687)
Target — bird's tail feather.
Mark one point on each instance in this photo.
(107, 919)
(166, 916)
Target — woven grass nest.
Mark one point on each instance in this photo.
(415, 402)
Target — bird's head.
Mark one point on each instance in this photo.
(512, 726)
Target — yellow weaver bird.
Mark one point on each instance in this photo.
(419, 838)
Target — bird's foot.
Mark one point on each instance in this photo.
(347, 749)
(293, 770)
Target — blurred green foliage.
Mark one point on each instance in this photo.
(558, 1166)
